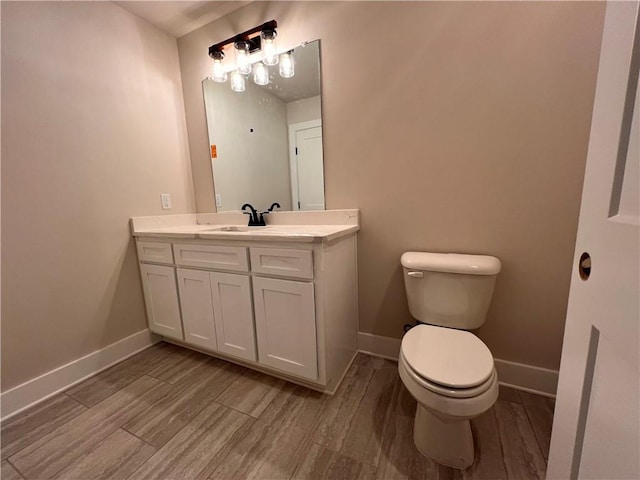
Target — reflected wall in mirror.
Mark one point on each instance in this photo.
(266, 142)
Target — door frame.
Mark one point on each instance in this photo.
(293, 158)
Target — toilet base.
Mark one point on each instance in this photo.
(449, 444)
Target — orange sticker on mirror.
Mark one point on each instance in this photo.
(214, 151)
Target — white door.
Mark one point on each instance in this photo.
(286, 326)
(233, 314)
(307, 173)
(161, 299)
(197, 308)
(596, 429)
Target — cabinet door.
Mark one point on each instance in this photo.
(161, 299)
(196, 306)
(233, 315)
(286, 326)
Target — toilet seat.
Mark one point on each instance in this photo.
(447, 360)
(445, 390)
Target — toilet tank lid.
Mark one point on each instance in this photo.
(451, 263)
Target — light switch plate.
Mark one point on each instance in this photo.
(166, 201)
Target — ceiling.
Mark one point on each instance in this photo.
(305, 83)
(181, 17)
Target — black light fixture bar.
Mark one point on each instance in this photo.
(254, 43)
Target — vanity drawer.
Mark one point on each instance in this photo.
(212, 256)
(285, 262)
(156, 252)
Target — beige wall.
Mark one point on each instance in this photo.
(93, 130)
(453, 126)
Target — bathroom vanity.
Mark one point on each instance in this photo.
(281, 299)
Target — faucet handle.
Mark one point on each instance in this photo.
(274, 205)
(249, 206)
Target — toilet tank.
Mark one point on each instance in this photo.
(449, 289)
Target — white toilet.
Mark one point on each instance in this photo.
(448, 370)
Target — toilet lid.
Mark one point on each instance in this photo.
(455, 358)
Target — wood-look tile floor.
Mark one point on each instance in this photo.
(171, 413)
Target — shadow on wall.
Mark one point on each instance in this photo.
(121, 311)
(391, 312)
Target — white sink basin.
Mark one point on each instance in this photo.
(234, 228)
(266, 230)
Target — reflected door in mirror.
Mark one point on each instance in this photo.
(307, 176)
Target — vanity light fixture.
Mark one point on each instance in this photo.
(218, 74)
(237, 81)
(287, 65)
(243, 65)
(269, 52)
(245, 44)
(260, 74)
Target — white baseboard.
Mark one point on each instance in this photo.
(23, 396)
(379, 346)
(528, 378)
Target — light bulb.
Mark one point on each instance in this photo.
(237, 81)
(287, 69)
(268, 47)
(260, 74)
(218, 74)
(242, 57)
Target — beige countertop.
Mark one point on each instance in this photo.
(292, 233)
(224, 227)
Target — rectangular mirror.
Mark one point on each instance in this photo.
(266, 142)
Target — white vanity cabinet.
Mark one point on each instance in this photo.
(285, 308)
(197, 308)
(286, 325)
(216, 311)
(161, 298)
(233, 314)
